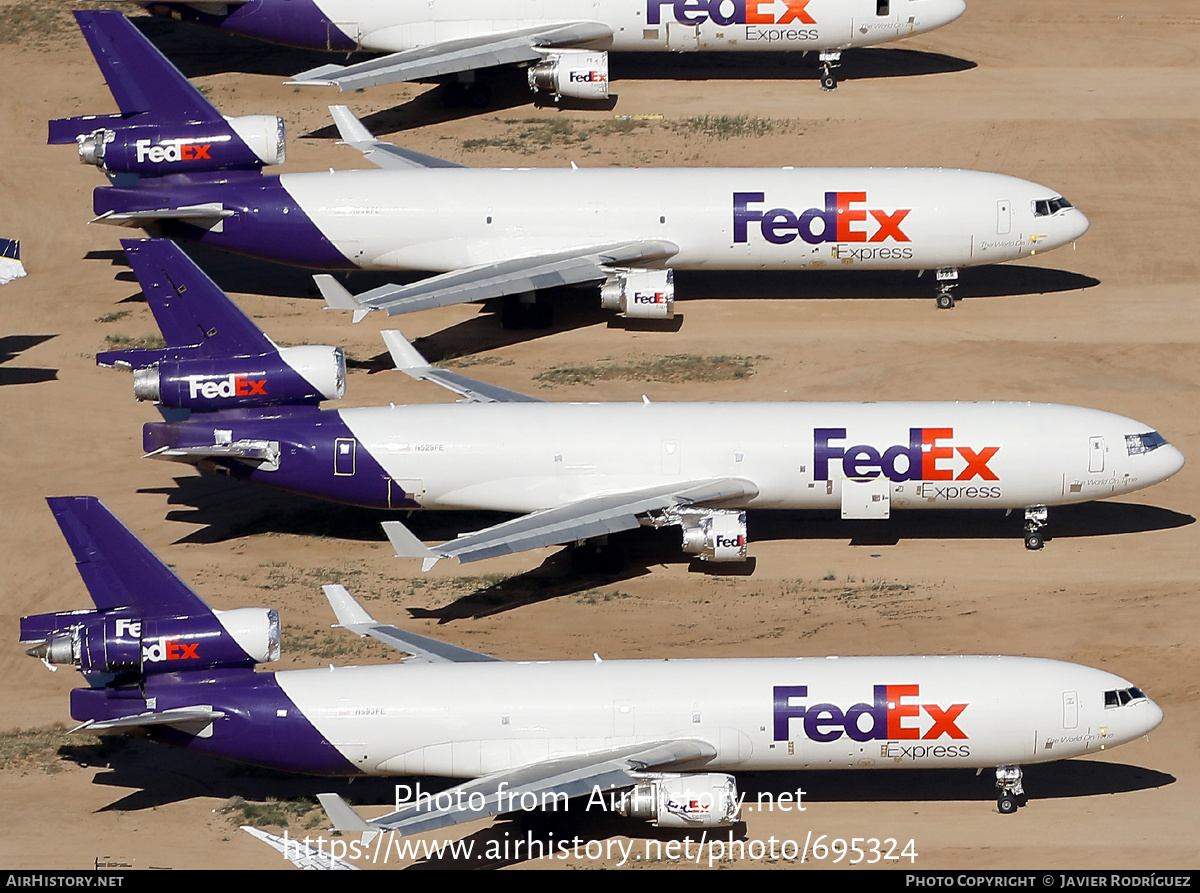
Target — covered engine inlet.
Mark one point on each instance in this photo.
(640, 294)
(683, 800)
(579, 74)
(715, 535)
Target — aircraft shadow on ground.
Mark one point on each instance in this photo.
(228, 509)
(12, 346)
(157, 775)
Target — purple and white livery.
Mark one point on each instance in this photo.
(656, 738)
(564, 43)
(578, 472)
(508, 233)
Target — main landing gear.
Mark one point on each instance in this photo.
(461, 94)
(1011, 795)
(947, 278)
(830, 59)
(1035, 523)
(526, 311)
(597, 556)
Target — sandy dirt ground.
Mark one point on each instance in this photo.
(1097, 100)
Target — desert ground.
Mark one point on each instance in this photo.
(1097, 100)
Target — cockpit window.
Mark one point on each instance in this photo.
(1045, 207)
(1136, 444)
(1122, 696)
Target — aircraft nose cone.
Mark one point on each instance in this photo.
(1170, 461)
(1152, 719)
(954, 9)
(1078, 225)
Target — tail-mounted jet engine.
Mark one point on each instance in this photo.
(305, 374)
(578, 74)
(640, 294)
(683, 800)
(109, 142)
(120, 643)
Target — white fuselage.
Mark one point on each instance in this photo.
(468, 720)
(647, 25)
(720, 219)
(524, 457)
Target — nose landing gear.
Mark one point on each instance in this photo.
(830, 59)
(1035, 523)
(1011, 794)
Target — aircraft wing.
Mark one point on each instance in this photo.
(588, 263)
(299, 853)
(593, 516)
(378, 152)
(411, 363)
(352, 616)
(566, 777)
(452, 56)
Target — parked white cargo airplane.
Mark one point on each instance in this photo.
(506, 233)
(565, 43)
(658, 737)
(580, 471)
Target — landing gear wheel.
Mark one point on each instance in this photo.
(945, 301)
(454, 95)
(479, 95)
(828, 83)
(513, 315)
(1007, 804)
(1034, 541)
(539, 315)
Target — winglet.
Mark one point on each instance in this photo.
(350, 614)
(408, 546)
(337, 297)
(344, 817)
(352, 131)
(406, 357)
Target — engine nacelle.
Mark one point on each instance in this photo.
(715, 535)
(579, 74)
(306, 374)
(640, 294)
(245, 143)
(121, 644)
(683, 800)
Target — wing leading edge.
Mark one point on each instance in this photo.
(453, 56)
(554, 781)
(590, 517)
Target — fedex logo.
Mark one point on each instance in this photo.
(729, 542)
(926, 458)
(169, 649)
(231, 385)
(172, 150)
(841, 220)
(650, 297)
(731, 12)
(892, 716)
(131, 628)
(588, 77)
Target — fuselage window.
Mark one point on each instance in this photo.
(883, 7)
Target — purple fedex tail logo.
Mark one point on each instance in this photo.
(928, 457)
(843, 219)
(892, 717)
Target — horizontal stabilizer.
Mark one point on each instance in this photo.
(452, 56)
(352, 616)
(207, 215)
(176, 716)
(378, 152)
(411, 363)
(259, 451)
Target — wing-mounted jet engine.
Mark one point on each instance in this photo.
(163, 129)
(215, 357)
